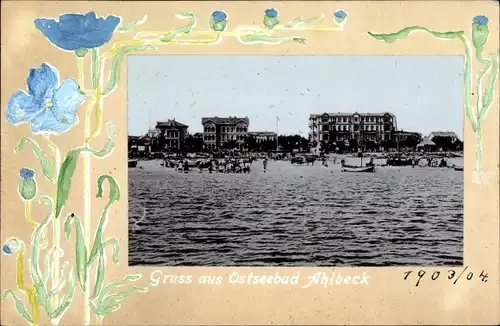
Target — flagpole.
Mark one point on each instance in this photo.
(277, 135)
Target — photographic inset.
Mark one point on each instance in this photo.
(295, 160)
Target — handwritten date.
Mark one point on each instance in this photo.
(451, 275)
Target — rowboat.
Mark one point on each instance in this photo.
(346, 168)
(458, 168)
(132, 163)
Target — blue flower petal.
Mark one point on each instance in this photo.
(50, 28)
(76, 31)
(67, 99)
(22, 108)
(26, 173)
(47, 123)
(42, 82)
(271, 12)
(71, 24)
(6, 249)
(340, 14)
(482, 20)
(219, 16)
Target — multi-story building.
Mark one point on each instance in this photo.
(262, 136)
(173, 134)
(335, 127)
(217, 132)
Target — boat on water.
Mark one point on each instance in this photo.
(347, 168)
(132, 163)
(369, 167)
(458, 168)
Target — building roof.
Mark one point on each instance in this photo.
(170, 123)
(404, 132)
(426, 141)
(262, 133)
(345, 114)
(225, 120)
(443, 134)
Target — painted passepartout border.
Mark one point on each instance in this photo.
(64, 177)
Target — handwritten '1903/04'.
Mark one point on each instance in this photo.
(450, 274)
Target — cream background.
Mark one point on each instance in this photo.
(388, 299)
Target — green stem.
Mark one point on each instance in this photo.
(86, 200)
(94, 65)
(468, 84)
(479, 148)
(56, 231)
(479, 92)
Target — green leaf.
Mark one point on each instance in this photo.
(392, 37)
(20, 307)
(110, 286)
(113, 299)
(114, 74)
(259, 38)
(114, 189)
(183, 29)
(96, 310)
(47, 167)
(489, 91)
(296, 21)
(99, 277)
(67, 300)
(80, 248)
(69, 165)
(116, 248)
(114, 195)
(39, 280)
(127, 27)
(64, 180)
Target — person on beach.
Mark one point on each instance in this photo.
(264, 163)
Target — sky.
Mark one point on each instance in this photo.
(424, 92)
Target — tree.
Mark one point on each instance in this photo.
(447, 143)
(193, 144)
(412, 141)
(291, 142)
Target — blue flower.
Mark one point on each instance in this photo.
(26, 174)
(481, 20)
(12, 246)
(78, 31)
(340, 14)
(271, 12)
(219, 16)
(47, 108)
(6, 249)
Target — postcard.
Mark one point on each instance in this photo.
(250, 163)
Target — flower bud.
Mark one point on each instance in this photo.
(27, 185)
(479, 31)
(11, 246)
(81, 52)
(339, 17)
(271, 18)
(218, 21)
